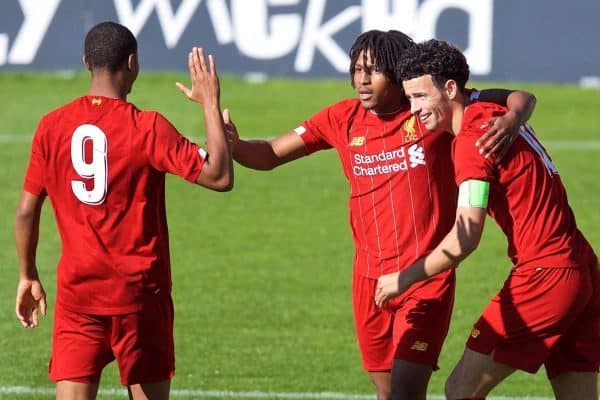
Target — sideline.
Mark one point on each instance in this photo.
(222, 394)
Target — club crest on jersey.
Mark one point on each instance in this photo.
(357, 141)
(96, 102)
(475, 333)
(409, 129)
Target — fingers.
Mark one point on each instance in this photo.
(43, 305)
(211, 64)
(226, 116)
(183, 89)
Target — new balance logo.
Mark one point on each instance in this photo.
(416, 155)
(419, 346)
(96, 102)
(357, 141)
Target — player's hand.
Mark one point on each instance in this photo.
(205, 81)
(230, 129)
(499, 137)
(31, 300)
(388, 287)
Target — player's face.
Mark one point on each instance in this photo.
(429, 103)
(374, 89)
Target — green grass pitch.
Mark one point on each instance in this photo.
(262, 274)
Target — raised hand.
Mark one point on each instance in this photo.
(31, 300)
(205, 81)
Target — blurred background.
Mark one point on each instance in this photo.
(531, 41)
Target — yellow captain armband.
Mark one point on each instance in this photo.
(473, 193)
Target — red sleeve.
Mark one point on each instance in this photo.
(34, 176)
(468, 163)
(169, 151)
(320, 131)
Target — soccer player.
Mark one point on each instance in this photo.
(548, 310)
(401, 192)
(102, 162)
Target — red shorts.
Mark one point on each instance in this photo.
(547, 316)
(141, 342)
(411, 327)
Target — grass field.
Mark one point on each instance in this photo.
(262, 274)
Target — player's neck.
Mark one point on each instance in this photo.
(108, 85)
(458, 110)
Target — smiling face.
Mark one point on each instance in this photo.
(429, 103)
(374, 89)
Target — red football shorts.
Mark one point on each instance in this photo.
(547, 316)
(141, 343)
(411, 327)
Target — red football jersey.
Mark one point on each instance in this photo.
(102, 163)
(527, 198)
(402, 191)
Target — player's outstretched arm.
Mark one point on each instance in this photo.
(217, 172)
(263, 154)
(31, 297)
(505, 129)
(461, 241)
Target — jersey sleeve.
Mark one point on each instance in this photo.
(34, 182)
(318, 131)
(171, 152)
(468, 162)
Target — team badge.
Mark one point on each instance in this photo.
(96, 102)
(475, 333)
(409, 129)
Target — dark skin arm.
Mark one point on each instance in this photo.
(31, 297)
(504, 130)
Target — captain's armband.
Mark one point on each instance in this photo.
(473, 193)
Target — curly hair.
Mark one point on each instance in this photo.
(437, 58)
(108, 45)
(385, 48)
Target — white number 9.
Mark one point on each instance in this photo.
(97, 169)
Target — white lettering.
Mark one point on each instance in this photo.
(379, 169)
(172, 24)
(389, 14)
(479, 50)
(260, 36)
(319, 36)
(217, 9)
(37, 17)
(3, 48)
(420, 23)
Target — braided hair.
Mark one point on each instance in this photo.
(384, 48)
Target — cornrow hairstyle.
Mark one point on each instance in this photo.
(385, 48)
(108, 45)
(437, 58)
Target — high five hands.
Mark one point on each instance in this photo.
(205, 81)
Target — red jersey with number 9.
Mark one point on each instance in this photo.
(102, 163)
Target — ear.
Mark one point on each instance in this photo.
(85, 63)
(132, 62)
(451, 89)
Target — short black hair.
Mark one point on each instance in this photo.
(437, 58)
(108, 45)
(385, 48)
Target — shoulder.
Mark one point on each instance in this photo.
(345, 107)
(476, 114)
